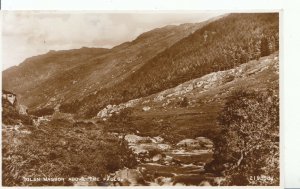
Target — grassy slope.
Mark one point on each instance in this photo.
(199, 117)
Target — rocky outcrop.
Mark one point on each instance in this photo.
(199, 142)
(197, 86)
(143, 146)
(111, 109)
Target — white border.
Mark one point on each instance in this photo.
(139, 4)
(289, 54)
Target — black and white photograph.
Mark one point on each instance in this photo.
(184, 98)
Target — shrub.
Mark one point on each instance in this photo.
(248, 145)
(42, 112)
(57, 150)
(184, 102)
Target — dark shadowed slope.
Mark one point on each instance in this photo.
(27, 76)
(65, 76)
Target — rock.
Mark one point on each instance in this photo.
(189, 88)
(22, 110)
(168, 159)
(204, 183)
(164, 181)
(139, 150)
(157, 157)
(158, 139)
(110, 109)
(158, 98)
(146, 101)
(218, 180)
(146, 108)
(103, 113)
(188, 143)
(133, 138)
(130, 177)
(163, 147)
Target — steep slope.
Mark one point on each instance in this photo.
(219, 45)
(65, 76)
(12, 112)
(195, 104)
(29, 75)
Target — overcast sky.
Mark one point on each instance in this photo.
(25, 34)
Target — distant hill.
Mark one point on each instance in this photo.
(219, 45)
(85, 80)
(64, 76)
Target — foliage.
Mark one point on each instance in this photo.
(11, 116)
(248, 146)
(220, 45)
(184, 102)
(42, 112)
(62, 149)
(121, 122)
(70, 107)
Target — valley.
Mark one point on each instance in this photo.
(173, 107)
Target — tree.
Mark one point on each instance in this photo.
(249, 141)
(184, 102)
(121, 122)
(264, 47)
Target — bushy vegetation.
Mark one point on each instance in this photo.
(70, 107)
(62, 149)
(184, 102)
(42, 112)
(11, 116)
(220, 45)
(247, 150)
(121, 122)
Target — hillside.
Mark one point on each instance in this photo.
(219, 45)
(195, 104)
(177, 133)
(64, 76)
(33, 71)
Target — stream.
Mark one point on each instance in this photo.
(163, 164)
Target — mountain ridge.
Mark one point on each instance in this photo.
(109, 59)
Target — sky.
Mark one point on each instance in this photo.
(30, 33)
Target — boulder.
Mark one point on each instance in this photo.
(131, 177)
(188, 143)
(146, 108)
(133, 138)
(158, 139)
(157, 157)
